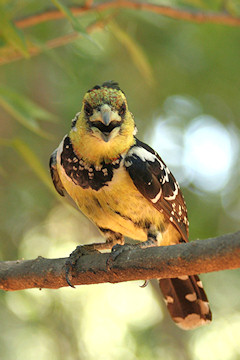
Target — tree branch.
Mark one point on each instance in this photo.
(198, 17)
(10, 54)
(200, 256)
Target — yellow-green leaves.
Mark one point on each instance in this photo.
(25, 111)
(77, 26)
(32, 160)
(73, 20)
(135, 51)
(11, 34)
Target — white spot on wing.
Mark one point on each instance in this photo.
(166, 177)
(174, 195)
(128, 163)
(60, 149)
(59, 152)
(142, 153)
(161, 164)
(157, 197)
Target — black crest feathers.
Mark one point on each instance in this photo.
(111, 84)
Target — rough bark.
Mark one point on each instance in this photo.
(200, 256)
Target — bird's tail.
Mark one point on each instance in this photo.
(186, 301)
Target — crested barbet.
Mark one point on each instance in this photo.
(123, 186)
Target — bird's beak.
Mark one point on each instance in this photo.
(105, 136)
(106, 115)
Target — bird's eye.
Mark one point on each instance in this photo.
(122, 110)
(88, 109)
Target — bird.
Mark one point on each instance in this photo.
(124, 187)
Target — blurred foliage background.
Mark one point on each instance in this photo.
(182, 81)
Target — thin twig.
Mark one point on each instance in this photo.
(88, 3)
(193, 16)
(10, 54)
(199, 256)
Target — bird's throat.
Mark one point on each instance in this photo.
(96, 150)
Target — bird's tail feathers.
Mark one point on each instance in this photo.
(186, 301)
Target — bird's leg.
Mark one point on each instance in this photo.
(118, 249)
(112, 239)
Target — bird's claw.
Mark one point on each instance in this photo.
(71, 262)
(146, 282)
(116, 251)
(68, 266)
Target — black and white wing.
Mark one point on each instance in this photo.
(156, 183)
(54, 174)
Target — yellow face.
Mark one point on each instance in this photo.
(104, 125)
(104, 111)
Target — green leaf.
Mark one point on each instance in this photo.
(233, 7)
(77, 26)
(73, 20)
(12, 34)
(135, 51)
(60, 61)
(36, 166)
(32, 160)
(25, 111)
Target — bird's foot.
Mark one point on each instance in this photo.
(119, 249)
(71, 262)
(116, 251)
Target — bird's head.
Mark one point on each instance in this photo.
(104, 126)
